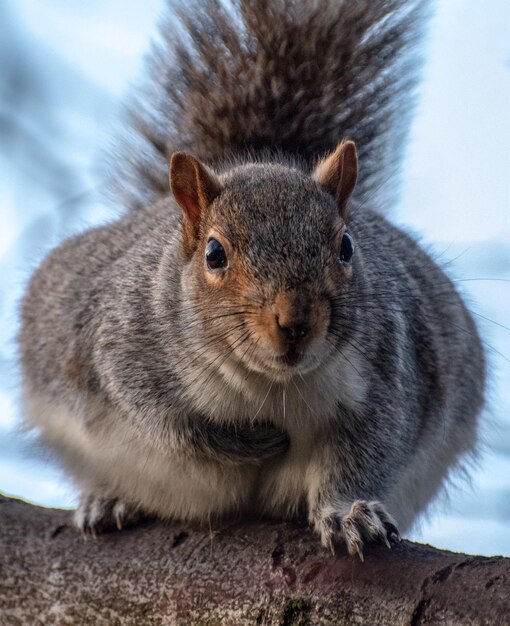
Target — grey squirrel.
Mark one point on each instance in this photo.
(261, 340)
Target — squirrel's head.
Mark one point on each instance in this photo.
(268, 257)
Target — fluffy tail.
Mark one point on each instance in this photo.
(285, 76)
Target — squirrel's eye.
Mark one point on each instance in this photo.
(215, 256)
(346, 249)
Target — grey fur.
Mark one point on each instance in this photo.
(155, 389)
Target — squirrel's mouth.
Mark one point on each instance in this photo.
(282, 366)
(290, 358)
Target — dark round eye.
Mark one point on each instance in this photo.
(346, 249)
(215, 255)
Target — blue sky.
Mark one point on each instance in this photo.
(76, 61)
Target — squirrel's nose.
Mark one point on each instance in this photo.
(293, 332)
(292, 316)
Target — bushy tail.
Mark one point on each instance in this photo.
(292, 76)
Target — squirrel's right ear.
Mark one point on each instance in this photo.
(194, 187)
(337, 173)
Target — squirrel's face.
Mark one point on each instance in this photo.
(269, 258)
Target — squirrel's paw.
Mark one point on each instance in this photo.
(95, 515)
(365, 522)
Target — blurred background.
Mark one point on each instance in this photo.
(65, 68)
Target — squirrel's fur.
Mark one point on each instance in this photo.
(221, 350)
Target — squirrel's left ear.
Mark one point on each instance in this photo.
(194, 187)
(337, 173)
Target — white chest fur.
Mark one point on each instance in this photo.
(304, 406)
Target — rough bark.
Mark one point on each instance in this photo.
(250, 573)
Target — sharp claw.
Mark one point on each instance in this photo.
(360, 553)
(354, 548)
(392, 531)
(387, 542)
(329, 545)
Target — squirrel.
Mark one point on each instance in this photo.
(256, 338)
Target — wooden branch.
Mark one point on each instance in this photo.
(250, 573)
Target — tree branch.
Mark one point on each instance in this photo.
(239, 574)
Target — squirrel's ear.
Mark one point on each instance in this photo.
(337, 173)
(194, 187)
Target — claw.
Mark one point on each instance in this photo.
(327, 542)
(358, 550)
(96, 515)
(393, 532)
(365, 522)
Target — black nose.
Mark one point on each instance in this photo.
(294, 332)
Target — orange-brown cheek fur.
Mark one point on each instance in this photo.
(264, 326)
(234, 286)
(233, 289)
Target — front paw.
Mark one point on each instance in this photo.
(95, 515)
(362, 522)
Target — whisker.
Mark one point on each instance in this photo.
(302, 397)
(271, 381)
(244, 336)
